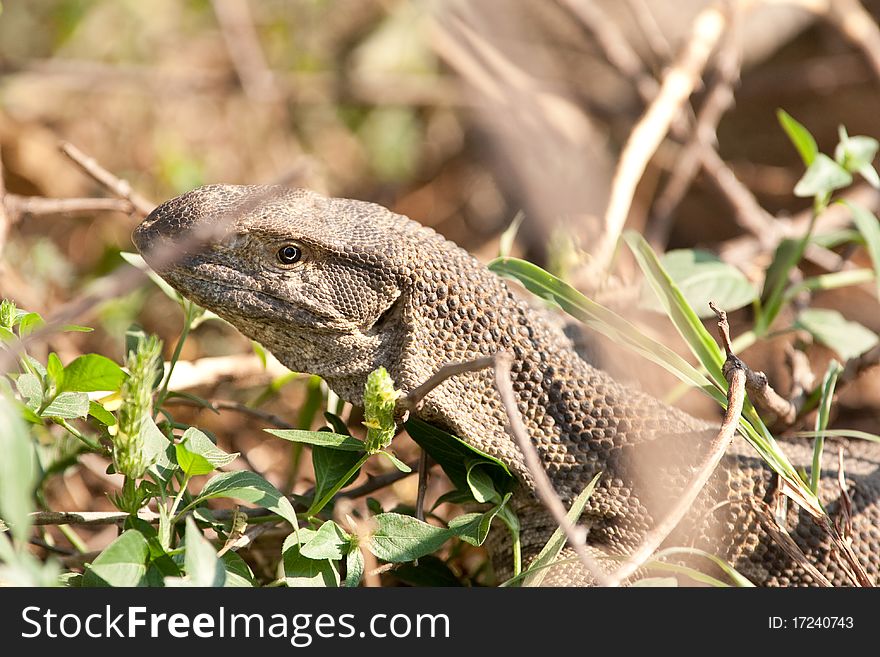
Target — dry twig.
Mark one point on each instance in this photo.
(35, 206)
(245, 51)
(678, 84)
(5, 219)
(413, 401)
(786, 542)
(118, 186)
(543, 486)
(735, 397)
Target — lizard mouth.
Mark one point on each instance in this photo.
(230, 292)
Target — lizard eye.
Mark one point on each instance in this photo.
(289, 254)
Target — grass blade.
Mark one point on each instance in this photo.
(686, 321)
(603, 320)
(828, 383)
(534, 575)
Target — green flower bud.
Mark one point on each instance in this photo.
(379, 401)
(7, 314)
(137, 407)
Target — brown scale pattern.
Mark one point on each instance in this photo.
(374, 288)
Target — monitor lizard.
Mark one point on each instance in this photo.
(338, 287)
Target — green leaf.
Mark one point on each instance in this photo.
(198, 443)
(730, 571)
(480, 483)
(260, 352)
(18, 472)
(508, 237)
(686, 321)
(856, 155)
(157, 450)
(456, 496)
(68, 405)
(849, 339)
(122, 563)
(76, 328)
(159, 559)
(337, 423)
(101, 414)
(92, 372)
(300, 571)
(354, 568)
(191, 464)
(702, 277)
(238, 573)
(55, 371)
(330, 466)
(398, 538)
(320, 438)
(329, 542)
(787, 255)
(250, 487)
(536, 571)
(396, 462)
(452, 453)
(202, 566)
(29, 323)
(30, 388)
(869, 228)
(430, 571)
(801, 138)
(822, 177)
(473, 528)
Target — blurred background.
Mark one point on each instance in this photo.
(462, 115)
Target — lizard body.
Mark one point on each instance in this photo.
(338, 287)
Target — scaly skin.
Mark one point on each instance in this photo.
(373, 288)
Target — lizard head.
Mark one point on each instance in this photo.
(313, 279)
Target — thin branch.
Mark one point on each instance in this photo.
(843, 524)
(123, 279)
(773, 407)
(761, 394)
(377, 482)
(423, 485)
(543, 486)
(838, 215)
(644, 17)
(304, 88)
(40, 518)
(786, 542)
(5, 219)
(854, 22)
(413, 401)
(224, 404)
(678, 84)
(36, 206)
(117, 186)
(736, 379)
(614, 45)
(856, 570)
(245, 51)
